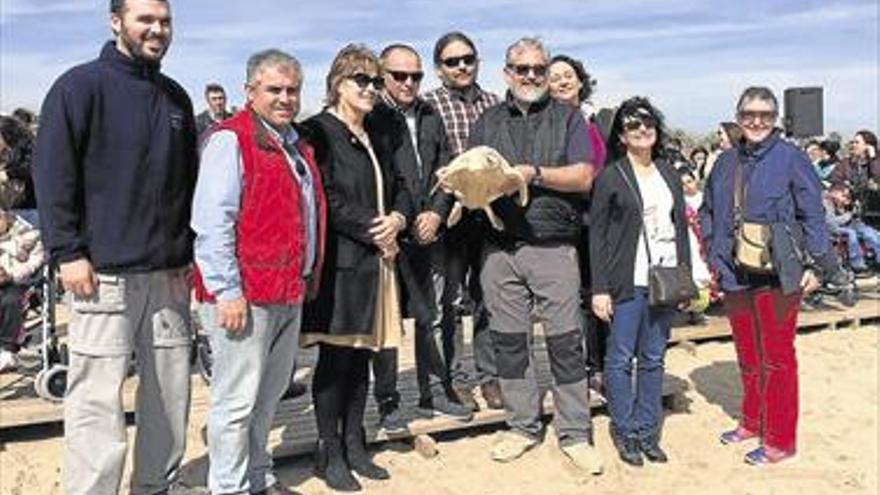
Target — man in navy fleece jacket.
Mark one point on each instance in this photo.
(115, 170)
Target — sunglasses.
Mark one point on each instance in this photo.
(364, 80)
(402, 76)
(523, 70)
(453, 62)
(763, 116)
(636, 123)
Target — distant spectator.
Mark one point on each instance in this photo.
(728, 134)
(698, 158)
(862, 169)
(841, 219)
(693, 199)
(16, 148)
(21, 255)
(215, 97)
(26, 117)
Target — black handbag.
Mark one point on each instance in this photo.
(667, 285)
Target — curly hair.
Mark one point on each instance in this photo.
(634, 107)
(588, 84)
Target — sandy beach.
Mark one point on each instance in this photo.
(838, 444)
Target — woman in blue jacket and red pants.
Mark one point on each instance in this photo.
(783, 192)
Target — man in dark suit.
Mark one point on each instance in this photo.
(417, 135)
(215, 97)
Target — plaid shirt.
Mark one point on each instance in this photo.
(459, 113)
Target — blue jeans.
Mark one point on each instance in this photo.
(251, 371)
(861, 231)
(641, 332)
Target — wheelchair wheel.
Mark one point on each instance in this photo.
(51, 384)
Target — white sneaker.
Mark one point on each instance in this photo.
(511, 446)
(585, 457)
(8, 361)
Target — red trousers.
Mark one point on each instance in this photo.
(764, 323)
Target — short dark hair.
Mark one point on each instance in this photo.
(117, 6)
(398, 46)
(213, 88)
(869, 137)
(448, 38)
(587, 82)
(686, 172)
(698, 149)
(637, 105)
(759, 93)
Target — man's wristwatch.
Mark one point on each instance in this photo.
(538, 178)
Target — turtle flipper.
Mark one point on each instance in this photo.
(494, 220)
(455, 214)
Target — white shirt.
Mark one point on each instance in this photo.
(657, 218)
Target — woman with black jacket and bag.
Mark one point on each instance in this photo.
(638, 222)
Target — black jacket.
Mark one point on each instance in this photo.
(433, 151)
(540, 137)
(617, 222)
(346, 302)
(115, 166)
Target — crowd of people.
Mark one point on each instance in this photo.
(328, 232)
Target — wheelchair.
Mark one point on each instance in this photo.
(38, 307)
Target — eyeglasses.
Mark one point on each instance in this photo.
(453, 62)
(637, 122)
(364, 80)
(762, 116)
(523, 70)
(402, 76)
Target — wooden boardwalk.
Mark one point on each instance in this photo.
(294, 428)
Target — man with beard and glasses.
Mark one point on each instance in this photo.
(531, 266)
(115, 169)
(460, 101)
(415, 131)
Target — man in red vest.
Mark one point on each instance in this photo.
(259, 217)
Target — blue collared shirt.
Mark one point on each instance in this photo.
(217, 203)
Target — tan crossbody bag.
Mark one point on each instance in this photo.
(752, 239)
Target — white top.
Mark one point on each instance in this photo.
(657, 218)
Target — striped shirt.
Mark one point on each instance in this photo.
(459, 112)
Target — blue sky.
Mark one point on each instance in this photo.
(691, 57)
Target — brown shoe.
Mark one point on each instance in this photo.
(491, 391)
(465, 395)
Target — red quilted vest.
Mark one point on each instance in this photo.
(271, 229)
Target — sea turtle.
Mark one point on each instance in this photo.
(476, 178)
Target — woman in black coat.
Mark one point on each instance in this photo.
(357, 309)
(638, 220)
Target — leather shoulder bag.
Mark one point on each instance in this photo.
(667, 285)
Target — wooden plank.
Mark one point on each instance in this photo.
(19, 405)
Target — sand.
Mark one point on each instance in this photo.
(838, 444)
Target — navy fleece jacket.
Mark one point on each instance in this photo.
(115, 166)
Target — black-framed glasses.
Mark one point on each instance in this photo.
(363, 80)
(523, 70)
(636, 123)
(402, 76)
(453, 62)
(763, 116)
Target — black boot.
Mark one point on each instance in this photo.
(359, 459)
(650, 446)
(627, 448)
(330, 466)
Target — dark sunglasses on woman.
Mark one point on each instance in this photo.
(364, 80)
